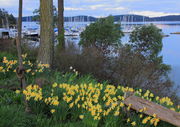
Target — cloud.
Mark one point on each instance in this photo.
(153, 13)
(8, 3)
(150, 8)
(73, 9)
(115, 9)
(97, 6)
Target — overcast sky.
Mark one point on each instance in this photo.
(99, 8)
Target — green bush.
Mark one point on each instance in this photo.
(102, 34)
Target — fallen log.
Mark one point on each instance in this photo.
(162, 113)
(175, 33)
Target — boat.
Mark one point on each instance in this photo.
(4, 33)
(32, 32)
(13, 33)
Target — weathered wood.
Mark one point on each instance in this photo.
(20, 70)
(162, 113)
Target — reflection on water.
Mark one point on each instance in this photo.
(171, 51)
(171, 44)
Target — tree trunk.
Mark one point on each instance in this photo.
(45, 55)
(61, 23)
(20, 70)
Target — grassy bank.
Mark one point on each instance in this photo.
(68, 100)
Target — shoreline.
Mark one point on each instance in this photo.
(175, 33)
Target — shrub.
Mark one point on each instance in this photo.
(147, 40)
(125, 67)
(8, 77)
(103, 34)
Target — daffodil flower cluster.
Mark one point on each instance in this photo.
(7, 65)
(34, 92)
(95, 100)
(165, 101)
(11, 65)
(153, 120)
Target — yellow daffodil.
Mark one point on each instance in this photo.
(81, 116)
(54, 85)
(53, 111)
(18, 91)
(128, 120)
(141, 116)
(133, 123)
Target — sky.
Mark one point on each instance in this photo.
(101, 8)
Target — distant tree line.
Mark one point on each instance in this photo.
(6, 19)
(117, 18)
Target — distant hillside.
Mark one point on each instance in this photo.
(28, 19)
(81, 18)
(129, 18)
(167, 18)
(139, 18)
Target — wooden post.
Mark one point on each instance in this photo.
(20, 70)
(162, 113)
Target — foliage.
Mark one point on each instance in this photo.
(61, 40)
(8, 70)
(8, 97)
(12, 110)
(74, 100)
(125, 67)
(6, 18)
(90, 61)
(102, 34)
(147, 40)
(36, 12)
(92, 104)
(145, 45)
(8, 55)
(135, 70)
(14, 116)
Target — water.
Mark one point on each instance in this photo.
(30, 25)
(171, 44)
(171, 51)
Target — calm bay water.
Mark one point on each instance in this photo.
(171, 44)
(171, 50)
